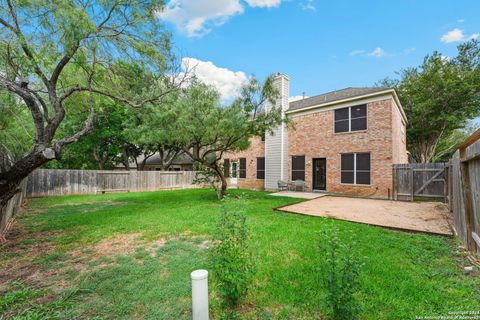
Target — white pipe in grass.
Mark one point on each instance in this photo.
(199, 294)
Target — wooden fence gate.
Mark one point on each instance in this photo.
(412, 180)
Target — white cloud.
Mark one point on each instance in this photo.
(381, 53)
(456, 35)
(296, 98)
(357, 52)
(461, 20)
(264, 3)
(309, 5)
(409, 50)
(227, 82)
(453, 36)
(377, 53)
(196, 18)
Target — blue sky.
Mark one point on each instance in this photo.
(322, 45)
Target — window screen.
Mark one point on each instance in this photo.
(226, 168)
(260, 168)
(243, 168)
(355, 168)
(298, 168)
(363, 168)
(342, 120)
(348, 168)
(351, 119)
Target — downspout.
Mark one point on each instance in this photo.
(281, 131)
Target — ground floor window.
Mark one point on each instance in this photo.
(355, 168)
(298, 168)
(243, 168)
(260, 168)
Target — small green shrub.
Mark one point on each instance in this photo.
(340, 270)
(230, 255)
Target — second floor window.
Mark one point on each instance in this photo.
(351, 119)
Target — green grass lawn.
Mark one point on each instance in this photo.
(130, 256)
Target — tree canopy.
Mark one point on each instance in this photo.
(439, 98)
(56, 53)
(206, 130)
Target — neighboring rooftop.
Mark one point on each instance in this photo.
(332, 96)
(180, 159)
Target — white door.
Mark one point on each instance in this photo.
(233, 173)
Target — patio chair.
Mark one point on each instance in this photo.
(282, 185)
(299, 184)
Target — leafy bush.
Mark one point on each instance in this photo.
(230, 254)
(340, 270)
(205, 176)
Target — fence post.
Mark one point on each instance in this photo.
(468, 204)
(199, 294)
(393, 182)
(412, 189)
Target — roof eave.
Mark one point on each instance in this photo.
(363, 96)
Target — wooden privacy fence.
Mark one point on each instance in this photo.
(57, 182)
(464, 192)
(412, 180)
(7, 212)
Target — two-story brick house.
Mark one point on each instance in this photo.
(343, 141)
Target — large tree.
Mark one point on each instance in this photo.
(54, 52)
(439, 98)
(152, 131)
(207, 130)
(103, 146)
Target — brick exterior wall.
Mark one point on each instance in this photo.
(314, 137)
(399, 138)
(256, 149)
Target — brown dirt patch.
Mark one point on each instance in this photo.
(85, 202)
(19, 261)
(124, 244)
(18, 257)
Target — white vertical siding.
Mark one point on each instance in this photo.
(276, 144)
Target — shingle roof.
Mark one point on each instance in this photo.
(332, 96)
(180, 159)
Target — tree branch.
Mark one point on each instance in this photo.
(86, 128)
(28, 97)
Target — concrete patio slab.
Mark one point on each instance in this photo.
(300, 195)
(429, 217)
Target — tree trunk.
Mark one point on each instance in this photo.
(223, 190)
(126, 158)
(141, 165)
(11, 179)
(101, 159)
